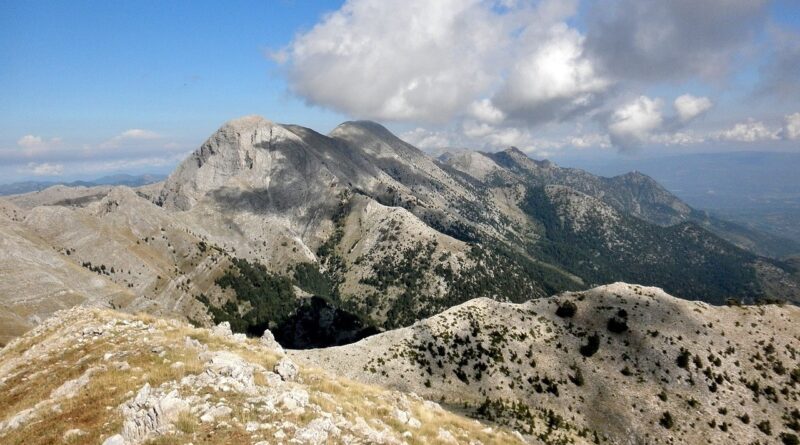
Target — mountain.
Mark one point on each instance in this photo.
(264, 216)
(757, 190)
(380, 264)
(17, 188)
(616, 364)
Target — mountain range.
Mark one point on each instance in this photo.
(383, 233)
(16, 188)
(478, 280)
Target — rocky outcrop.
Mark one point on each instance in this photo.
(149, 413)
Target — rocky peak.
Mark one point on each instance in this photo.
(374, 139)
(239, 154)
(474, 163)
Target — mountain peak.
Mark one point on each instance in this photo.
(351, 128)
(248, 121)
(514, 150)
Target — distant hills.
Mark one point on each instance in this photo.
(759, 190)
(16, 188)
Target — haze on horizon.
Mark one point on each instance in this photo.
(135, 87)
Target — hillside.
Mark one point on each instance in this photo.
(615, 364)
(98, 376)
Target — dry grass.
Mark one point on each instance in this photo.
(94, 408)
(360, 400)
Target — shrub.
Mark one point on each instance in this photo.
(683, 359)
(591, 348)
(789, 439)
(666, 420)
(566, 309)
(617, 325)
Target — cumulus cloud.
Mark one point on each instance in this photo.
(429, 62)
(129, 136)
(677, 138)
(30, 140)
(791, 127)
(484, 111)
(689, 107)
(427, 139)
(749, 131)
(44, 169)
(658, 40)
(32, 145)
(632, 124)
(398, 59)
(551, 78)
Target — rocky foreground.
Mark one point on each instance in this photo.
(93, 376)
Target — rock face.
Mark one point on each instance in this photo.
(623, 363)
(222, 391)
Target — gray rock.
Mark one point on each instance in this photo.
(286, 369)
(222, 330)
(72, 434)
(116, 439)
(317, 431)
(70, 388)
(268, 341)
(149, 414)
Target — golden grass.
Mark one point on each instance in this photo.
(94, 409)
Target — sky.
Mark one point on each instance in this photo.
(94, 88)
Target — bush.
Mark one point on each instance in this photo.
(566, 309)
(666, 420)
(591, 348)
(789, 439)
(683, 359)
(617, 325)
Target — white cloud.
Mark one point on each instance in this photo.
(426, 139)
(398, 59)
(485, 111)
(750, 131)
(551, 77)
(677, 138)
(137, 133)
(791, 127)
(30, 140)
(44, 169)
(689, 107)
(592, 140)
(32, 145)
(633, 123)
(130, 136)
(430, 62)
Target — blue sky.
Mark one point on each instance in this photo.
(90, 88)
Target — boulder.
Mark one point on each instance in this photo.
(286, 369)
(222, 330)
(269, 342)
